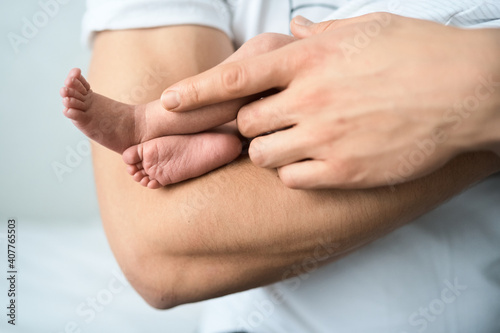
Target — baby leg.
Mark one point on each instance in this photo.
(139, 133)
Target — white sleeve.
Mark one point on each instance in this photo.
(134, 14)
(458, 13)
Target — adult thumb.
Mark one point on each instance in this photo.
(303, 28)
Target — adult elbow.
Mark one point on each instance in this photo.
(155, 279)
(162, 261)
(159, 299)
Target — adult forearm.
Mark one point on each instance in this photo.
(240, 227)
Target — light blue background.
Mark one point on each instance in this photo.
(62, 254)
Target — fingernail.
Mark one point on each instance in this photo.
(171, 100)
(301, 20)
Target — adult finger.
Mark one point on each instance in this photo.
(265, 115)
(317, 174)
(303, 28)
(215, 114)
(279, 148)
(231, 81)
(310, 174)
(259, 44)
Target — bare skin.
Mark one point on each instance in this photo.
(334, 125)
(148, 137)
(238, 227)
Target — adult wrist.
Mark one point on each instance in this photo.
(480, 105)
(494, 38)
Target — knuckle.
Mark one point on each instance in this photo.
(307, 59)
(370, 15)
(192, 91)
(247, 120)
(262, 42)
(288, 179)
(312, 138)
(381, 18)
(377, 16)
(366, 17)
(270, 41)
(327, 25)
(345, 172)
(234, 79)
(276, 119)
(244, 124)
(310, 99)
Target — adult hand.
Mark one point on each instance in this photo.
(374, 100)
(209, 116)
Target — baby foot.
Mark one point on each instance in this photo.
(108, 122)
(171, 159)
(118, 126)
(141, 131)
